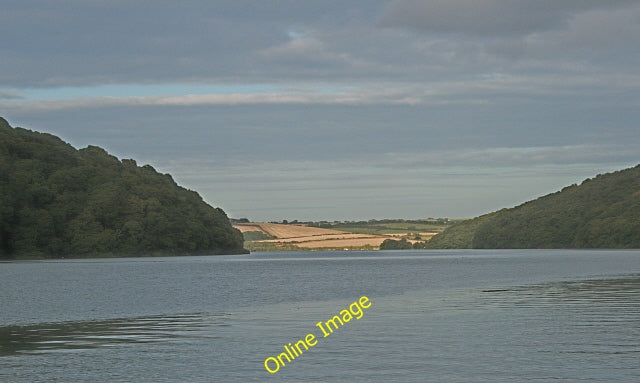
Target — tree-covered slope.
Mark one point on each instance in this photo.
(459, 235)
(56, 201)
(602, 212)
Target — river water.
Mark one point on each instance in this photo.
(433, 316)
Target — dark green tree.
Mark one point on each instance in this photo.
(57, 201)
(392, 244)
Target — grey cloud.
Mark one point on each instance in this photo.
(499, 157)
(355, 97)
(409, 102)
(326, 189)
(47, 44)
(89, 42)
(11, 96)
(601, 37)
(309, 55)
(532, 36)
(485, 89)
(501, 18)
(347, 132)
(74, 42)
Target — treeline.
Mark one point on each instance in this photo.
(380, 223)
(400, 244)
(57, 201)
(602, 212)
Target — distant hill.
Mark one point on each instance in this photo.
(602, 212)
(56, 201)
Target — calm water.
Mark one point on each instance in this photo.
(435, 316)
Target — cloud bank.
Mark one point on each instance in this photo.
(424, 107)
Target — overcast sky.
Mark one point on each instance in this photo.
(336, 110)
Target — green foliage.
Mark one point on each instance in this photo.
(57, 201)
(603, 212)
(458, 236)
(391, 244)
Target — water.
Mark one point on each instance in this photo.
(435, 316)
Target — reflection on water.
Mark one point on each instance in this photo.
(618, 295)
(70, 336)
(592, 318)
(576, 330)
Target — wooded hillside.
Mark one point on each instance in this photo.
(602, 212)
(56, 201)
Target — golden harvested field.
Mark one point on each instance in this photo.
(312, 237)
(294, 231)
(249, 227)
(281, 231)
(343, 243)
(323, 237)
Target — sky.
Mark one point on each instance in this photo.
(336, 110)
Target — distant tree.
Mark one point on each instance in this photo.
(391, 244)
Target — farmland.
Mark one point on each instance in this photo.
(363, 235)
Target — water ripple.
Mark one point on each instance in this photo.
(82, 335)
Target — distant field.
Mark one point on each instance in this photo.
(385, 227)
(353, 235)
(322, 237)
(288, 237)
(280, 231)
(350, 243)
